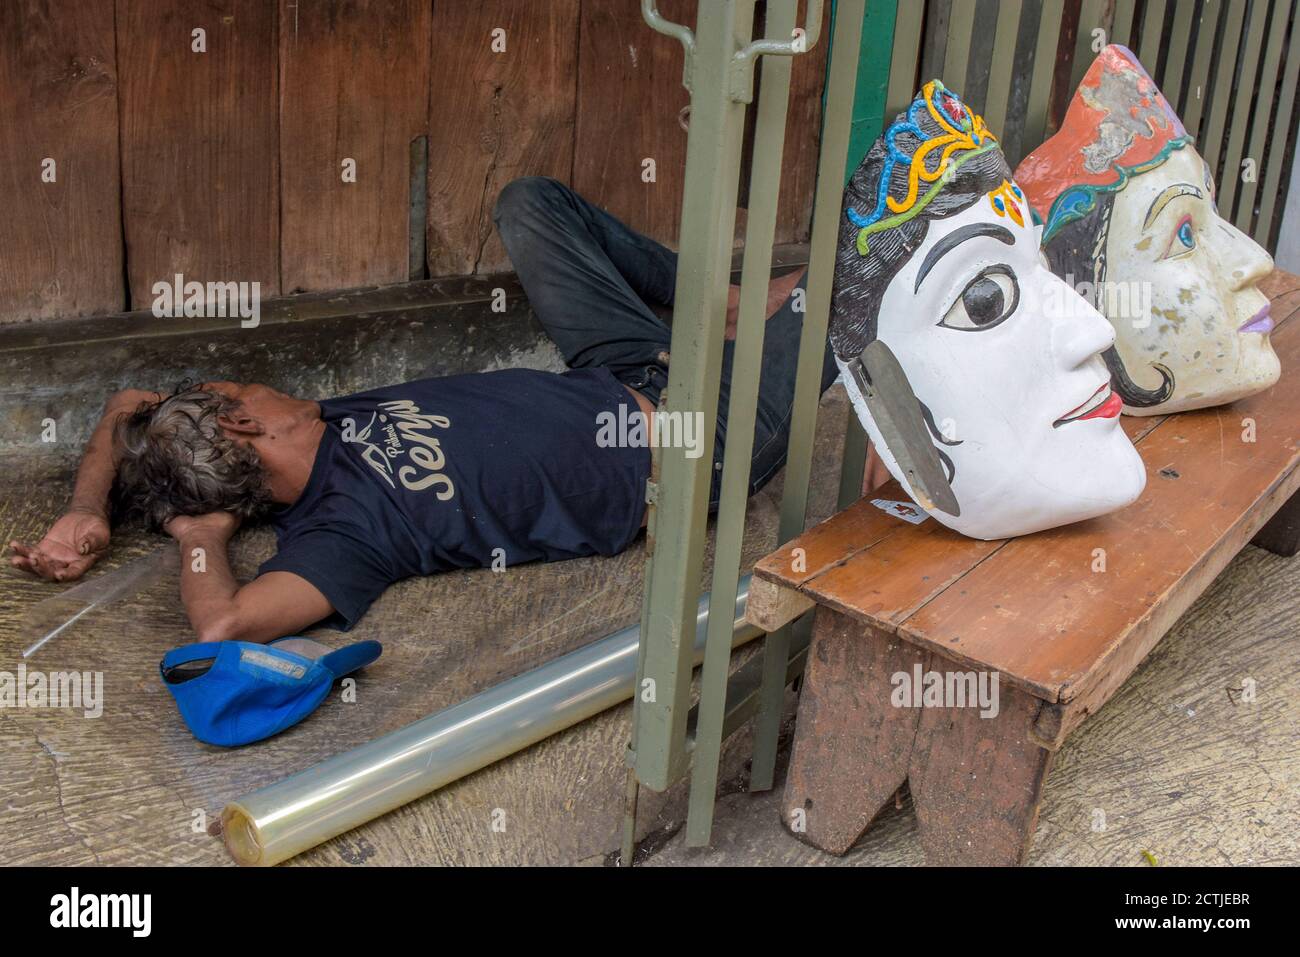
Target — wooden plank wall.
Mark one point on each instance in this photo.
(502, 106)
(354, 93)
(199, 141)
(803, 135)
(223, 160)
(59, 175)
(630, 96)
(227, 163)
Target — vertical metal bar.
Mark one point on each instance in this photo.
(1012, 133)
(1040, 90)
(1091, 17)
(1245, 94)
(1225, 76)
(1262, 118)
(854, 467)
(902, 69)
(1288, 237)
(812, 352)
(976, 91)
(1122, 30)
(633, 788)
(631, 792)
(1277, 159)
(1004, 58)
(869, 117)
(1067, 41)
(872, 85)
(747, 362)
(708, 219)
(1153, 29)
(1198, 89)
(1171, 78)
(937, 19)
(960, 39)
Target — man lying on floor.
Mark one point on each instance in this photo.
(425, 476)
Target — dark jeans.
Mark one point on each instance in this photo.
(592, 283)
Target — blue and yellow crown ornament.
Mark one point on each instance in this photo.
(963, 137)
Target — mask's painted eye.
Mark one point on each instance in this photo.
(988, 300)
(1183, 240)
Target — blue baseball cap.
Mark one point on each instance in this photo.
(237, 692)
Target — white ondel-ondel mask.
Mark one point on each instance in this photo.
(939, 260)
(1131, 224)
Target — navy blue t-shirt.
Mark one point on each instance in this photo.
(442, 473)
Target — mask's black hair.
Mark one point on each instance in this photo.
(860, 281)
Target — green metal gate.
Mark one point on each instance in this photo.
(1230, 69)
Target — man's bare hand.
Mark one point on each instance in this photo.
(69, 548)
(221, 525)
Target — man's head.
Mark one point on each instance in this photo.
(190, 454)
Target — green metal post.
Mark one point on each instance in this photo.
(723, 27)
(1198, 87)
(1171, 81)
(1264, 120)
(1153, 25)
(1211, 144)
(874, 60)
(1122, 31)
(957, 56)
(812, 345)
(1040, 87)
(1004, 59)
(1092, 16)
(760, 231)
(1241, 109)
(1277, 157)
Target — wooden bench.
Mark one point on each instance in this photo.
(1062, 617)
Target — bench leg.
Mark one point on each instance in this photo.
(1281, 535)
(976, 782)
(851, 746)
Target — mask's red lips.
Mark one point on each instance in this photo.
(1103, 404)
(1260, 322)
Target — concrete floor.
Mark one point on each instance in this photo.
(1176, 763)
(129, 786)
(133, 787)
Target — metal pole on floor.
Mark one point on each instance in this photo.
(286, 818)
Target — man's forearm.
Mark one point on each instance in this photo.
(99, 461)
(208, 586)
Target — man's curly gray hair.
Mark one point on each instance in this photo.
(176, 460)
